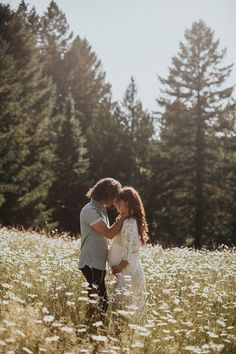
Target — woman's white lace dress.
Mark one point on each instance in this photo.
(130, 287)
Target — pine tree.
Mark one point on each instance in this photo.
(138, 132)
(84, 75)
(92, 98)
(54, 39)
(31, 18)
(12, 131)
(105, 150)
(226, 178)
(196, 85)
(173, 206)
(25, 151)
(68, 190)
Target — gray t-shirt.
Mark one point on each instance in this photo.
(94, 246)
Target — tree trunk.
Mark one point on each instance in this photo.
(199, 212)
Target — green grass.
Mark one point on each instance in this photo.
(43, 303)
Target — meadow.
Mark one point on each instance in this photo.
(191, 302)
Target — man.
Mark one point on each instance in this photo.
(95, 233)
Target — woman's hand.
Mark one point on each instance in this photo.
(117, 269)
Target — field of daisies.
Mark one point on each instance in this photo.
(191, 301)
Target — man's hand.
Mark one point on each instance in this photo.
(125, 213)
(109, 232)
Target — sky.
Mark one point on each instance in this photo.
(139, 37)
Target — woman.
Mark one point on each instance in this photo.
(124, 255)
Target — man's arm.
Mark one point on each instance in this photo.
(119, 267)
(109, 232)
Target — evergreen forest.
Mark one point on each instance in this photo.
(61, 131)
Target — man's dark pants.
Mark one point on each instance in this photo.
(96, 280)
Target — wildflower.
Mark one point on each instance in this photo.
(9, 323)
(132, 326)
(20, 333)
(176, 301)
(178, 309)
(137, 344)
(189, 334)
(145, 333)
(115, 348)
(193, 349)
(205, 347)
(81, 330)
(212, 335)
(26, 350)
(67, 329)
(48, 318)
(10, 340)
(7, 286)
(150, 324)
(26, 284)
(221, 323)
(69, 293)
(99, 338)
(171, 320)
(45, 310)
(113, 339)
(124, 312)
(98, 324)
(52, 339)
(216, 347)
(83, 298)
(188, 323)
(161, 324)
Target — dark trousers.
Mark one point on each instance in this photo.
(96, 280)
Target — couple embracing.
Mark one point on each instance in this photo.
(128, 234)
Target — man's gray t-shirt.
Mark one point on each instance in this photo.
(94, 246)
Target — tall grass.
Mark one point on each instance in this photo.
(44, 307)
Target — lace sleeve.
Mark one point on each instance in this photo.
(130, 241)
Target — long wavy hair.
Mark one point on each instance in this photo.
(136, 210)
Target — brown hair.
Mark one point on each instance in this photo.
(136, 210)
(105, 189)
